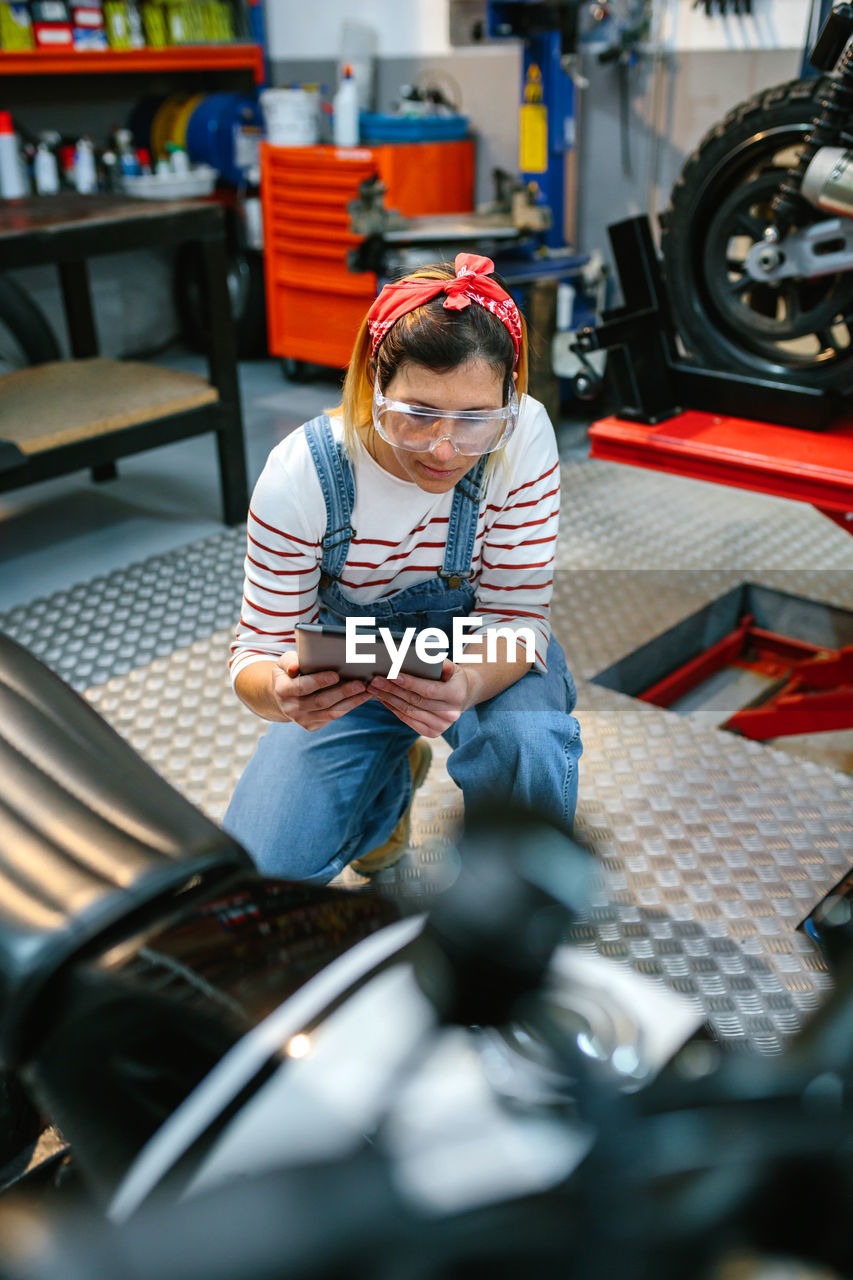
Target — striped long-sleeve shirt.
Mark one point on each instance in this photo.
(399, 541)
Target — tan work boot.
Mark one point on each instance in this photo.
(389, 853)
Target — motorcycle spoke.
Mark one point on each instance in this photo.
(791, 295)
(827, 339)
(764, 299)
(813, 292)
(749, 224)
(742, 285)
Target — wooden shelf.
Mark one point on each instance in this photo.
(51, 405)
(201, 57)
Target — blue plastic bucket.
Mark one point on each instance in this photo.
(375, 127)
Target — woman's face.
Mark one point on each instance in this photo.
(473, 385)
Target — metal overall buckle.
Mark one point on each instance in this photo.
(332, 539)
(455, 580)
(345, 529)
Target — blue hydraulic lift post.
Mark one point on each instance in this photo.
(546, 85)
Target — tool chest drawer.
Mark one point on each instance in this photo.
(314, 302)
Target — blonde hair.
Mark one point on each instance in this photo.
(419, 337)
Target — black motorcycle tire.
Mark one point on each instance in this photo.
(26, 324)
(720, 323)
(20, 1123)
(246, 291)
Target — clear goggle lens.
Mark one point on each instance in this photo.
(418, 429)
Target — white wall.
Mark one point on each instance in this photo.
(296, 29)
(673, 102)
(773, 24)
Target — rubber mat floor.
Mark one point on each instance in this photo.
(712, 848)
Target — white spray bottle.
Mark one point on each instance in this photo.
(345, 107)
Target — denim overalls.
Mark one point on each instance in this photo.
(309, 803)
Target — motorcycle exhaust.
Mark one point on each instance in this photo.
(828, 180)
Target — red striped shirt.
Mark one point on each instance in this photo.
(404, 528)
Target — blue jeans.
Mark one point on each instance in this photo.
(309, 803)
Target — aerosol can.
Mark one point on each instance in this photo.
(345, 131)
(45, 169)
(85, 172)
(12, 184)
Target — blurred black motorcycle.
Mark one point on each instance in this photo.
(161, 1000)
(271, 1081)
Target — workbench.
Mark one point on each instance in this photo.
(87, 411)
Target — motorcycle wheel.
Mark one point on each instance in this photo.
(798, 330)
(245, 290)
(20, 1123)
(26, 336)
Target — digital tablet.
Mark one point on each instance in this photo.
(322, 647)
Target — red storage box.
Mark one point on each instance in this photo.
(314, 302)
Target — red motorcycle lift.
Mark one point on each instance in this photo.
(809, 466)
(812, 690)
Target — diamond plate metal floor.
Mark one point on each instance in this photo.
(712, 848)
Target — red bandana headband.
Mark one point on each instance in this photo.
(473, 283)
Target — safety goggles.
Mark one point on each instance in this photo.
(418, 429)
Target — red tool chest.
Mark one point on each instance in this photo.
(315, 304)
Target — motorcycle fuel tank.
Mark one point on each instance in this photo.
(249, 945)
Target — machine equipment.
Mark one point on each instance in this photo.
(549, 31)
(757, 242)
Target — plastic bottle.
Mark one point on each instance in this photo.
(85, 173)
(111, 177)
(178, 158)
(66, 163)
(127, 159)
(359, 45)
(45, 171)
(345, 118)
(11, 175)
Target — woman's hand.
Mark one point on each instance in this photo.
(427, 706)
(312, 701)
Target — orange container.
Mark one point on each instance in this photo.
(314, 302)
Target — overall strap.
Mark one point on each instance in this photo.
(462, 527)
(335, 476)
